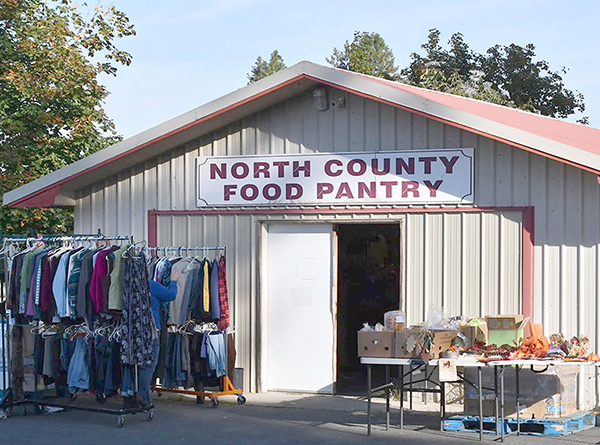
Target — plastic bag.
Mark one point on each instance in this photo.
(437, 320)
(394, 320)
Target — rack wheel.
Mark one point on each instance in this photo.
(150, 414)
(120, 421)
(215, 402)
(241, 399)
(4, 413)
(200, 400)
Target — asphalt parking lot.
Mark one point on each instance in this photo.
(270, 418)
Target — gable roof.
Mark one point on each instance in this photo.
(565, 142)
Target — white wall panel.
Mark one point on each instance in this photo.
(566, 202)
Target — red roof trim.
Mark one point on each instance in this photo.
(27, 200)
(460, 126)
(441, 98)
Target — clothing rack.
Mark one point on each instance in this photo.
(7, 402)
(185, 249)
(227, 387)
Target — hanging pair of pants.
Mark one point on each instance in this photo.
(145, 373)
(217, 361)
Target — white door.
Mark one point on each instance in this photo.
(297, 279)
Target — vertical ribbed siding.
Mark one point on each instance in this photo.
(447, 268)
(566, 202)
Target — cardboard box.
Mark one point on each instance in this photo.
(375, 344)
(505, 329)
(479, 333)
(549, 394)
(409, 343)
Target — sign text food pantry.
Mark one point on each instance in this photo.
(400, 177)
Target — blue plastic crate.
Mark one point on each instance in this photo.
(555, 427)
(471, 424)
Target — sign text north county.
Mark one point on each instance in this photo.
(398, 177)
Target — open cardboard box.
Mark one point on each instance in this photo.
(506, 329)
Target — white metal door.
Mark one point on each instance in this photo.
(297, 275)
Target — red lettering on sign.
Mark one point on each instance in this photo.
(369, 190)
(271, 192)
(410, 187)
(281, 167)
(427, 164)
(261, 167)
(389, 185)
(375, 167)
(362, 167)
(293, 191)
(235, 170)
(323, 188)
(408, 168)
(249, 192)
(344, 191)
(433, 188)
(229, 191)
(214, 171)
(328, 169)
(296, 169)
(449, 163)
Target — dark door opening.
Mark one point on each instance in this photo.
(368, 286)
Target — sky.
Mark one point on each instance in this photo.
(189, 52)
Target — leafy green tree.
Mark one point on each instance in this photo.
(367, 54)
(529, 85)
(262, 68)
(505, 75)
(51, 54)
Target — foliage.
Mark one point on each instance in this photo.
(51, 54)
(367, 54)
(506, 75)
(262, 68)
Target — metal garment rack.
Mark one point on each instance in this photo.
(7, 401)
(227, 386)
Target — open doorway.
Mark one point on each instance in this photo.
(368, 286)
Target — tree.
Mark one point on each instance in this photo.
(367, 54)
(262, 68)
(50, 98)
(505, 75)
(529, 85)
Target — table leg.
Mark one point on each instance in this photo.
(518, 403)
(502, 403)
(442, 404)
(480, 389)
(410, 403)
(496, 400)
(401, 386)
(368, 400)
(387, 398)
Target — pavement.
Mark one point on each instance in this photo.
(266, 418)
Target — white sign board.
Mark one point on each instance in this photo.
(398, 177)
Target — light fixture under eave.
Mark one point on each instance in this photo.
(320, 99)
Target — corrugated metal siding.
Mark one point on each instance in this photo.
(451, 265)
(566, 202)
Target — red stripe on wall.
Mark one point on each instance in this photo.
(527, 246)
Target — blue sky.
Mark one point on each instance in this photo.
(187, 53)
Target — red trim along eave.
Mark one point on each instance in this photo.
(27, 200)
(527, 241)
(45, 198)
(459, 126)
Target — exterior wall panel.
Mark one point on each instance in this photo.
(565, 199)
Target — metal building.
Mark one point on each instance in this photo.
(481, 210)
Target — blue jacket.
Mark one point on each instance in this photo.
(159, 293)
